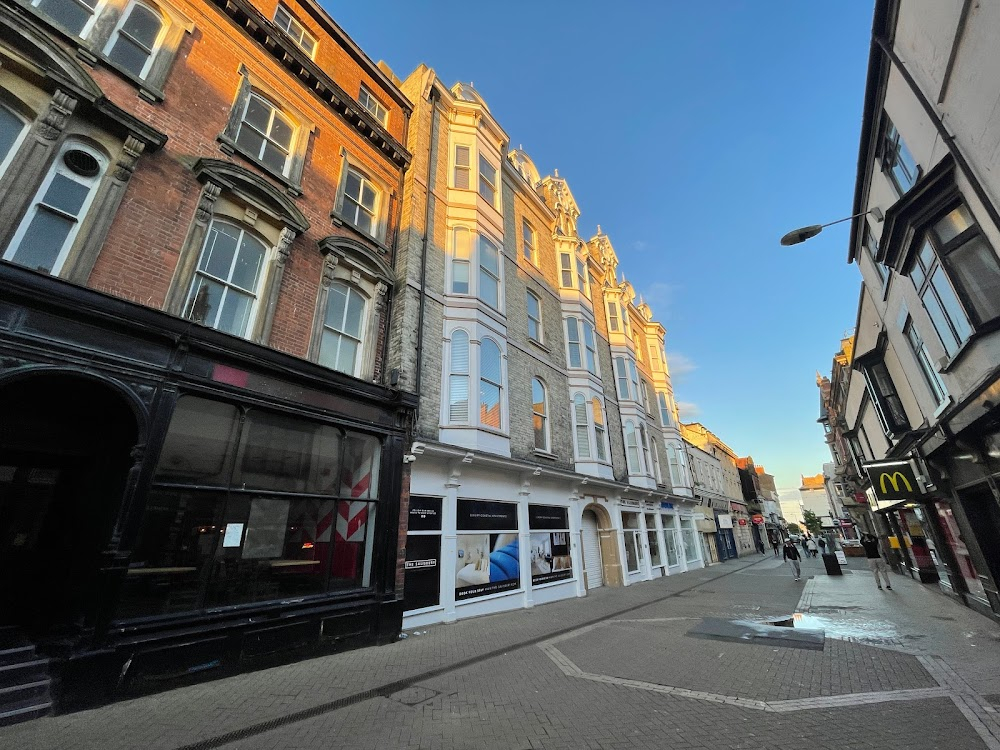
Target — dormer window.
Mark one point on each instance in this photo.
(285, 21)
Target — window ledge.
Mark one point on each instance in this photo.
(984, 330)
(146, 91)
(948, 401)
(340, 221)
(539, 345)
(545, 454)
(229, 147)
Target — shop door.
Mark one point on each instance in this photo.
(64, 458)
(592, 551)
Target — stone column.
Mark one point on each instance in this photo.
(524, 540)
(449, 539)
(272, 292)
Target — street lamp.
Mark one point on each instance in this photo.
(805, 233)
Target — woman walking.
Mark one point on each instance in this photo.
(791, 554)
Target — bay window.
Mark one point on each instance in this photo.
(581, 426)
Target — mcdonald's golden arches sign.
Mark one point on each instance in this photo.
(894, 481)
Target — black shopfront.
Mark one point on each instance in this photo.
(178, 504)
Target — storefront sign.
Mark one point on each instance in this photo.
(861, 498)
(667, 506)
(893, 481)
(548, 517)
(743, 522)
(724, 520)
(758, 519)
(484, 515)
(425, 514)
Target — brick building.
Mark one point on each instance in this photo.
(201, 446)
(529, 482)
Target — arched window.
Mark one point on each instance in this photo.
(227, 283)
(47, 231)
(632, 449)
(539, 415)
(265, 133)
(76, 16)
(134, 41)
(581, 426)
(360, 204)
(343, 328)
(600, 431)
(458, 379)
(490, 387)
(12, 130)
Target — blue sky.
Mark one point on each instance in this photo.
(695, 134)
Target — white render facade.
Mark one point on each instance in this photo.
(530, 479)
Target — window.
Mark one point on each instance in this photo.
(458, 380)
(613, 316)
(265, 134)
(373, 105)
(342, 329)
(871, 245)
(665, 416)
(919, 349)
(486, 257)
(621, 378)
(528, 242)
(360, 204)
(43, 240)
(675, 465)
(132, 45)
(534, 317)
(12, 131)
(76, 16)
(600, 432)
(581, 277)
(581, 426)
(539, 415)
(654, 358)
(633, 380)
(637, 342)
(897, 160)
(588, 340)
(644, 440)
(226, 285)
(632, 450)
(573, 342)
(654, 449)
(887, 403)
(487, 180)
(285, 21)
(566, 270)
(463, 168)
(489, 384)
(489, 273)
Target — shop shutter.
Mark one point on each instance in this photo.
(592, 551)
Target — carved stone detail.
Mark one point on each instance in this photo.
(131, 152)
(206, 203)
(330, 263)
(54, 122)
(284, 248)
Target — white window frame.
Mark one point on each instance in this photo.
(581, 428)
(675, 465)
(276, 111)
(633, 457)
(360, 340)
(18, 139)
(59, 167)
(529, 242)
(95, 11)
(487, 168)
(939, 392)
(499, 385)
(113, 40)
(591, 362)
(459, 168)
(666, 415)
(532, 318)
(543, 415)
(614, 324)
(600, 431)
(355, 204)
(474, 264)
(456, 375)
(574, 343)
(302, 32)
(566, 270)
(378, 110)
(621, 378)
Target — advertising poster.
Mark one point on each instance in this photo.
(422, 572)
(550, 559)
(487, 564)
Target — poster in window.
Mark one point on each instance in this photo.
(485, 515)
(487, 564)
(266, 528)
(425, 514)
(551, 517)
(550, 558)
(422, 571)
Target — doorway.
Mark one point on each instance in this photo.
(592, 551)
(65, 443)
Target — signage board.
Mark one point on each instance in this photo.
(893, 481)
(841, 557)
(758, 519)
(743, 522)
(724, 520)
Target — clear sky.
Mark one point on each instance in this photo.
(696, 133)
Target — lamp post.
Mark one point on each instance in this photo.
(805, 233)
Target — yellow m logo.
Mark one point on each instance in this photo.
(894, 479)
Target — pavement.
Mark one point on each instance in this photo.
(619, 668)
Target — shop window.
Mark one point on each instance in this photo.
(550, 547)
(653, 537)
(47, 232)
(488, 549)
(288, 23)
(422, 567)
(581, 426)
(600, 431)
(343, 327)
(534, 305)
(670, 539)
(75, 16)
(251, 506)
(689, 540)
(539, 415)
(133, 44)
(226, 286)
(633, 541)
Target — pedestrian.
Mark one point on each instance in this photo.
(774, 545)
(805, 545)
(875, 561)
(813, 549)
(822, 545)
(791, 554)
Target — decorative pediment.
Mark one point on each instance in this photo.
(358, 257)
(252, 189)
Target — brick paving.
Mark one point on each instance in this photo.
(486, 683)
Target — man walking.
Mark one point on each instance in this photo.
(791, 553)
(875, 562)
(774, 545)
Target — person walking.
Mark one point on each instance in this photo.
(805, 545)
(813, 549)
(822, 545)
(774, 545)
(790, 553)
(875, 561)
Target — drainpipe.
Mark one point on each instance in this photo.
(432, 98)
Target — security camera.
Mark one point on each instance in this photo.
(409, 458)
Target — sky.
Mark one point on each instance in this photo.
(696, 134)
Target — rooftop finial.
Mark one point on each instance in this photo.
(557, 172)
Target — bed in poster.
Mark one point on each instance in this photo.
(487, 564)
